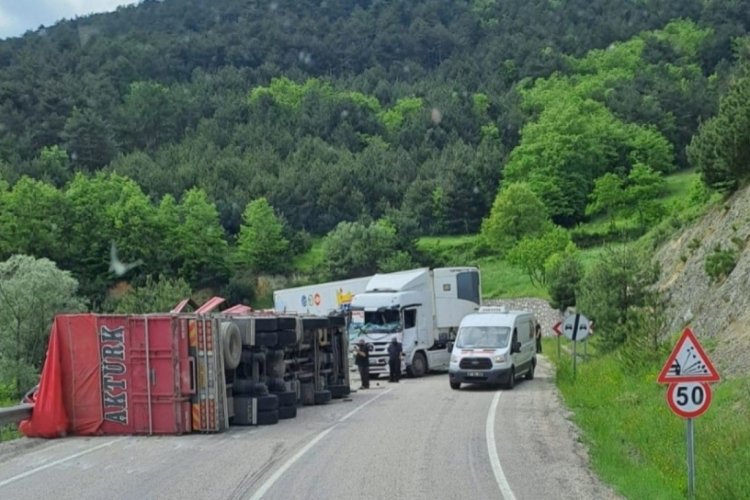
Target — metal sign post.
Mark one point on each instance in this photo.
(576, 328)
(690, 458)
(687, 371)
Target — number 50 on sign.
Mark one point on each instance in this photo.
(689, 399)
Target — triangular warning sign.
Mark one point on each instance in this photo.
(688, 362)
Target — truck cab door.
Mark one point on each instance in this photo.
(409, 327)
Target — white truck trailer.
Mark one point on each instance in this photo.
(320, 299)
(422, 308)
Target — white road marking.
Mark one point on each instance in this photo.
(497, 469)
(57, 462)
(281, 470)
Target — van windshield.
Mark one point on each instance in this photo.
(483, 337)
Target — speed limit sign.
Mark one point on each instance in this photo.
(689, 399)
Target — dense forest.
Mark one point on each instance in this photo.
(210, 140)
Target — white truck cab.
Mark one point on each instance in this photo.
(493, 346)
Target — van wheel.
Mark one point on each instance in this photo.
(530, 373)
(455, 385)
(418, 365)
(511, 379)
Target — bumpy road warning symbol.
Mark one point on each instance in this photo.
(688, 362)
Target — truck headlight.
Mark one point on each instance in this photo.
(454, 358)
(499, 359)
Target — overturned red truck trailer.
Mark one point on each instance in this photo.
(186, 372)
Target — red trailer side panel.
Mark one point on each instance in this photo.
(116, 375)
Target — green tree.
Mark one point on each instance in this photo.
(32, 220)
(516, 213)
(89, 140)
(355, 249)
(531, 253)
(52, 165)
(643, 188)
(614, 290)
(564, 272)
(261, 245)
(201, 250)
(32, 292)
(607, 197)
(721, 148)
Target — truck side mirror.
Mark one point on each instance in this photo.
(450, 346)
(516, 347)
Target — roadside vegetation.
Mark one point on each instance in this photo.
(636, 443)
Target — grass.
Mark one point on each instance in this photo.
(8, 432)
(637, 444)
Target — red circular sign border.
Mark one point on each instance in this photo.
(686, 414)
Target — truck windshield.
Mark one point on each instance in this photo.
(483, 337)
(382, 322)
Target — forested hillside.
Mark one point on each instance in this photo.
(184, 130)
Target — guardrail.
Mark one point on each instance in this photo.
(14, 414)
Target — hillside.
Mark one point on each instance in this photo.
(718, 311)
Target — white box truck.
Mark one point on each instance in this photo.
(422, 308)
(321, 299)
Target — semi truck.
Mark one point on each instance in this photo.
(182, 372)
(320, 299)
(422, 308)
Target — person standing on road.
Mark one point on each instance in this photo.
(363, 363)
(538, 335)
(395, 354)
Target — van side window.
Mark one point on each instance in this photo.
(410, 318)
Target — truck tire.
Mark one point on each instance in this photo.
(286, 322)
(258, 389)
(268, 417)
(455, 385)
(286, 337)
(286, 398)
(267, 402)
(530, 373)
(276, 384)
(265, 324)
(266, 339)
(287, 412)
(418, 365)
(244, 370)
(511, 383)
(231, 345)
(339, 391)
(242, 386)
(322, 397)
(312, 323)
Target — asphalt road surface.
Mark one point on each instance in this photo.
(417, 439)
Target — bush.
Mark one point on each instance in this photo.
(720, 263)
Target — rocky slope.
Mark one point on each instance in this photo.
(718, 312)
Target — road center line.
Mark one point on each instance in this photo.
(57, 462)
(497, 469)
(281, 470)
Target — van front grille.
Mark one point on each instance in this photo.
(475, 363)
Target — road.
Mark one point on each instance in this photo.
(417, 439)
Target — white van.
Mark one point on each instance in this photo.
(493, 346)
